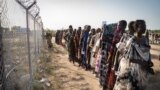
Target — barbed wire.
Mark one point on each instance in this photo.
(34, 10)
(3, 12)
(26, 3)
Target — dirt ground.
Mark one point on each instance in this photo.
(68, 76)
(155, 52)
(154, 81)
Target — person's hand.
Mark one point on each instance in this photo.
(94, 55)
(113, 68)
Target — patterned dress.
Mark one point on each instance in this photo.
(105, 47)
(133, 69)
(96, 45)
(111, 77)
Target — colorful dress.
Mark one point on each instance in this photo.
(96, 40)
(111, 77)
(106, 41)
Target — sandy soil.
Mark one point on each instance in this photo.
(73, 77)
(155, 52)
(154, 81)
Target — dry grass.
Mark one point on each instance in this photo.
(46, 68)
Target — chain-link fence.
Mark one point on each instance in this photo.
(20, 43)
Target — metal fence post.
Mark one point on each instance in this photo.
(29, 56)
(0, 55)
(28, 41)
(38, 38)
(35, 34)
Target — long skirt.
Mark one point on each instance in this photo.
(130, 76)
(92, 60)
(98, 60)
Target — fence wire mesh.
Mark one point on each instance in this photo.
(14, 61)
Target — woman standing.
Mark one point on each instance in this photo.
(112, 52)
(136, 63)
(77, 40)
(73, 46)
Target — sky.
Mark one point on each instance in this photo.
(58, 14)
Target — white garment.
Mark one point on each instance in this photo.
(97, 44)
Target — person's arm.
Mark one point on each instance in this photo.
(116, 61)
(75, 38)
(86, 43)
(97, 47)
(91, 42)
(159, 56)
(65, 37)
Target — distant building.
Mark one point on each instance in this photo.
(22, 30)
(18, 29)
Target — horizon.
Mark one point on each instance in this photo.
(77, 13)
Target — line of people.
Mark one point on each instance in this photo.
(121, 59)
